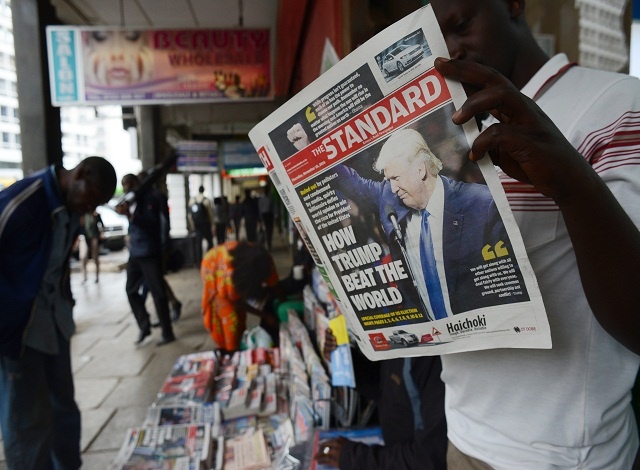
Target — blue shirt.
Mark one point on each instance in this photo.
(53, 309)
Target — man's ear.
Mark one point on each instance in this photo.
(81, 172)
(423, 171)
(516, 8)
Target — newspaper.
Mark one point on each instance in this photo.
(422, 260)
(180, 446)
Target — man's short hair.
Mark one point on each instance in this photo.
(410, 144)
(130, 178)
(101, 174)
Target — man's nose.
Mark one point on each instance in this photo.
(456, 49)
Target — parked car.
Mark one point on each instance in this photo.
(400, 58)
(402, 337)
(116, 228)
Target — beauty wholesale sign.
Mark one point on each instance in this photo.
(96, 66)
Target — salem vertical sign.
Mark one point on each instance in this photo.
(98, 65)
(61, 47)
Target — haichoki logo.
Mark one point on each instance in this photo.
(264, 157)
(379, 342)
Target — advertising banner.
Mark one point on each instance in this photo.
(93, 66)
(197, 156)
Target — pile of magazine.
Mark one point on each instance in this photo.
(176, 446)
(308, 385)
(257, 430)
(182, 429)
(190, 380)
(236, 412)
(246, 385)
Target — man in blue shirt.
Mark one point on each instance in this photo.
(39, 222)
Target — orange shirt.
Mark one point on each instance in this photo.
(220, 317)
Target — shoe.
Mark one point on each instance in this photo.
(155, 324)
(164, 341)
(143, 334)
(177, 311)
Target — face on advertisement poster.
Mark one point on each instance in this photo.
(117, 58)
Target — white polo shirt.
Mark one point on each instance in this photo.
(567, 407)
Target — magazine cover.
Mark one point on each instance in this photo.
(416, 242)
(190, 381)
(166, 447)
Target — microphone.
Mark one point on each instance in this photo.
(393, 218)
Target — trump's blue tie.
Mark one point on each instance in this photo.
(430, 271)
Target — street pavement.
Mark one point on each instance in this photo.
(115, 380)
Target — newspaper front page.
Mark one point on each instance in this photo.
(416, 242)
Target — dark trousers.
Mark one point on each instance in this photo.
(149, 269)
(267, 220)
(236, 226)
(39, 416)
(221, 233)
(203, 233)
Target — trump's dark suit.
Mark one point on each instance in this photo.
(471, 222)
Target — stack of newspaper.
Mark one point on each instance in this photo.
(182, 429)
(190, 380)
(179, 446)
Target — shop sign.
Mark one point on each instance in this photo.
(95, 66)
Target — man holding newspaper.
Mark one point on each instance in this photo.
(570, 139)
(566, 140)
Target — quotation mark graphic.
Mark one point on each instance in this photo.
(497, 252)
(310, 114)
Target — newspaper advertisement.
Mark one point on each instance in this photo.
(416, 242)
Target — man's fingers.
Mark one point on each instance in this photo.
(469, 72)
(495, 94)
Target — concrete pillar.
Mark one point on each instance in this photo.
(148, 118)
(217, 184)
(39, 121)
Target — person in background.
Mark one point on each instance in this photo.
(148, 233)
(301, 268)
(410, 402)
(251, 216)
(238, 278)
(201, 218)
(235, 215)
(91, 229)
(265, 206)
(567, 141)
(220, 219)
(174, 304)
(39, 223)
